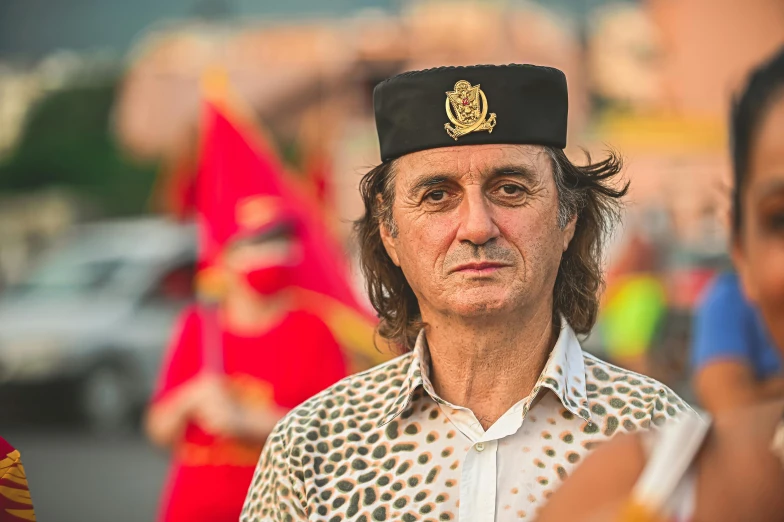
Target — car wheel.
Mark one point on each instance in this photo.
(106, 400)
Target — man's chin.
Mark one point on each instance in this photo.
(482, 306)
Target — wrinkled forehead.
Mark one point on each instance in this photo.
(473, 161)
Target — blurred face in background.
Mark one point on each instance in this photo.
(759, 247)
(263, 264)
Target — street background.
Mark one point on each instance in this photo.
(99, 112)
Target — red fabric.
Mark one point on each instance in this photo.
(236, 166)
(15, 502)
(270, 280)
(296, 359)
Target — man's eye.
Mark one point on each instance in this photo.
(511, 190)
(436, 195)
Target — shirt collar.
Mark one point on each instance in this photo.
(412, 380)
(564, 374)
(419, 362)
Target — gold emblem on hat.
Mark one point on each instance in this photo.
(466, 108)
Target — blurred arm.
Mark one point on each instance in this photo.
(166, 418)
(737, 476)
(725, 340)
(178, 383)
(598, 488)
(726, 385)
(205, 401)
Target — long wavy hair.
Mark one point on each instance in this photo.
(591, 192)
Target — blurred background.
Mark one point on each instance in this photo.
(99, 111)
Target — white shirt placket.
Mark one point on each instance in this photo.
(478, 483)
(479, 472)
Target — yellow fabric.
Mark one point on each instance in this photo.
(353, 331)
(12, 472)
(632, 313)
(634, 512)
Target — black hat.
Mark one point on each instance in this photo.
(447, 106)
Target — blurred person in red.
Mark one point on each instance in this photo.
(239, 362)
(15, 502)
(733, 468)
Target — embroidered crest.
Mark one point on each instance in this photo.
(466, 108)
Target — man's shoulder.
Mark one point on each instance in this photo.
(359, 397)
(628, 396)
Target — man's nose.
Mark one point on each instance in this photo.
(476, 220)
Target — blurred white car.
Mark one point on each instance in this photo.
(96, 315)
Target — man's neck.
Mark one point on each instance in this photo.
(488, 366)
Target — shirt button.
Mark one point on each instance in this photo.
(479, 446)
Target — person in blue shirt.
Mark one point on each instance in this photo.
(733, 357)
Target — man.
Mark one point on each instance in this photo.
(481, 244)
(735, 362)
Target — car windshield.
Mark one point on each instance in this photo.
(84, 276)
(112, 261)
(66, 273)
(95, 263)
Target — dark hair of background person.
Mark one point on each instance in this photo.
(765, 85)
(588, 192)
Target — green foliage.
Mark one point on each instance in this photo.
(67, 142)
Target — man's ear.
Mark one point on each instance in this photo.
(743, 270)
(386, 237)
(568, 232)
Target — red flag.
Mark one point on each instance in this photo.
(242, 189)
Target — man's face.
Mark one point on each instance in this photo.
(477, 229)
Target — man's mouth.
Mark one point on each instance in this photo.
(480, 268)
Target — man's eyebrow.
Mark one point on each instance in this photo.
(521, 171)
(429, 180)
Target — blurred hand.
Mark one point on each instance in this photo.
(212, 407)
(206, 401)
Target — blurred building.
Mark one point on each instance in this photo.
(311, 81)
(23, 83)
(18, 90)
(651, 78)
(663, 74)
(28, 224)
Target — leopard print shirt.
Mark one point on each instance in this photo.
(382, 445)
